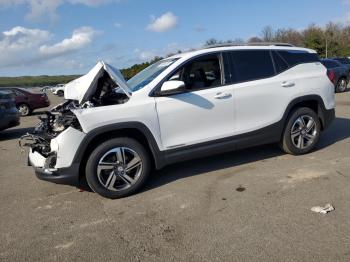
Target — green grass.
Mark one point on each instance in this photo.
(36, 81)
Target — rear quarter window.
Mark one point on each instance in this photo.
(296, 57)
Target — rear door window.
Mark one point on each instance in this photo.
(249, 65)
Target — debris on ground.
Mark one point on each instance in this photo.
(240, 188)
(323, 210)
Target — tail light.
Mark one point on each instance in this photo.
(331, 76)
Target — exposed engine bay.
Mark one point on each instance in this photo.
(53, 122)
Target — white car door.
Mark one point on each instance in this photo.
(204, 112)
(260, 96)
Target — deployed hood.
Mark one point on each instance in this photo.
(84, 87)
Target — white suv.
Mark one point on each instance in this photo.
(190, 105)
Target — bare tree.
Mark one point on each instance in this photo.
(268, 34)
(211, 41)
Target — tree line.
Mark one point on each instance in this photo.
(333, 40)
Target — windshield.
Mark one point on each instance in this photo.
(147, 75)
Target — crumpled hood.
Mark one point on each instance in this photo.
(84, 87)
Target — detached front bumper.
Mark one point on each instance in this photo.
(66, 176)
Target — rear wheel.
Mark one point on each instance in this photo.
(341, 85)
(301, 132)
(118, 168)
(24, 109)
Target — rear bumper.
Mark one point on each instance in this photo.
(9, 121)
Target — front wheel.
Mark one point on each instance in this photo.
(118, 168)
(301, 132)
(60, 93)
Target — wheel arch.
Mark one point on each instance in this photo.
(23, 103)
(313, 102)
(135, 130)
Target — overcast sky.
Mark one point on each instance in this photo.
(68, 36)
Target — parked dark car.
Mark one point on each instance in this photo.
(340, 74)
(27, 101)
(9, 115)
(344, 61)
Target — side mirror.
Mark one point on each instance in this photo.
(172, 87)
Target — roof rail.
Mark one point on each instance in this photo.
(249, 44)
(270, 44)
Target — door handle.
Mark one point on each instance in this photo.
(287, 84)
(222, 95)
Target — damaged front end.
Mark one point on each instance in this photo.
(52, 123)
(42, 144)
(55, 141)
(54, 144)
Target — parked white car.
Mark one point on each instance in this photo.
(113, 132)
(58, 89)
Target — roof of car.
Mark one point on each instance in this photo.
(25, 90)
(218, 48)
(328, 59)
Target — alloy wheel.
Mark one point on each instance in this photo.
(23, 109)
(342, 85)
(119, 168)
(304, 132)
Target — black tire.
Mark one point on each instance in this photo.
(341, 86)
(60, 93)
(95, 178)
(290, 141)
(24, 109)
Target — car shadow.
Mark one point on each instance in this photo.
(338, 131)
(14, 133)
(39, 112)
(191, 168)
